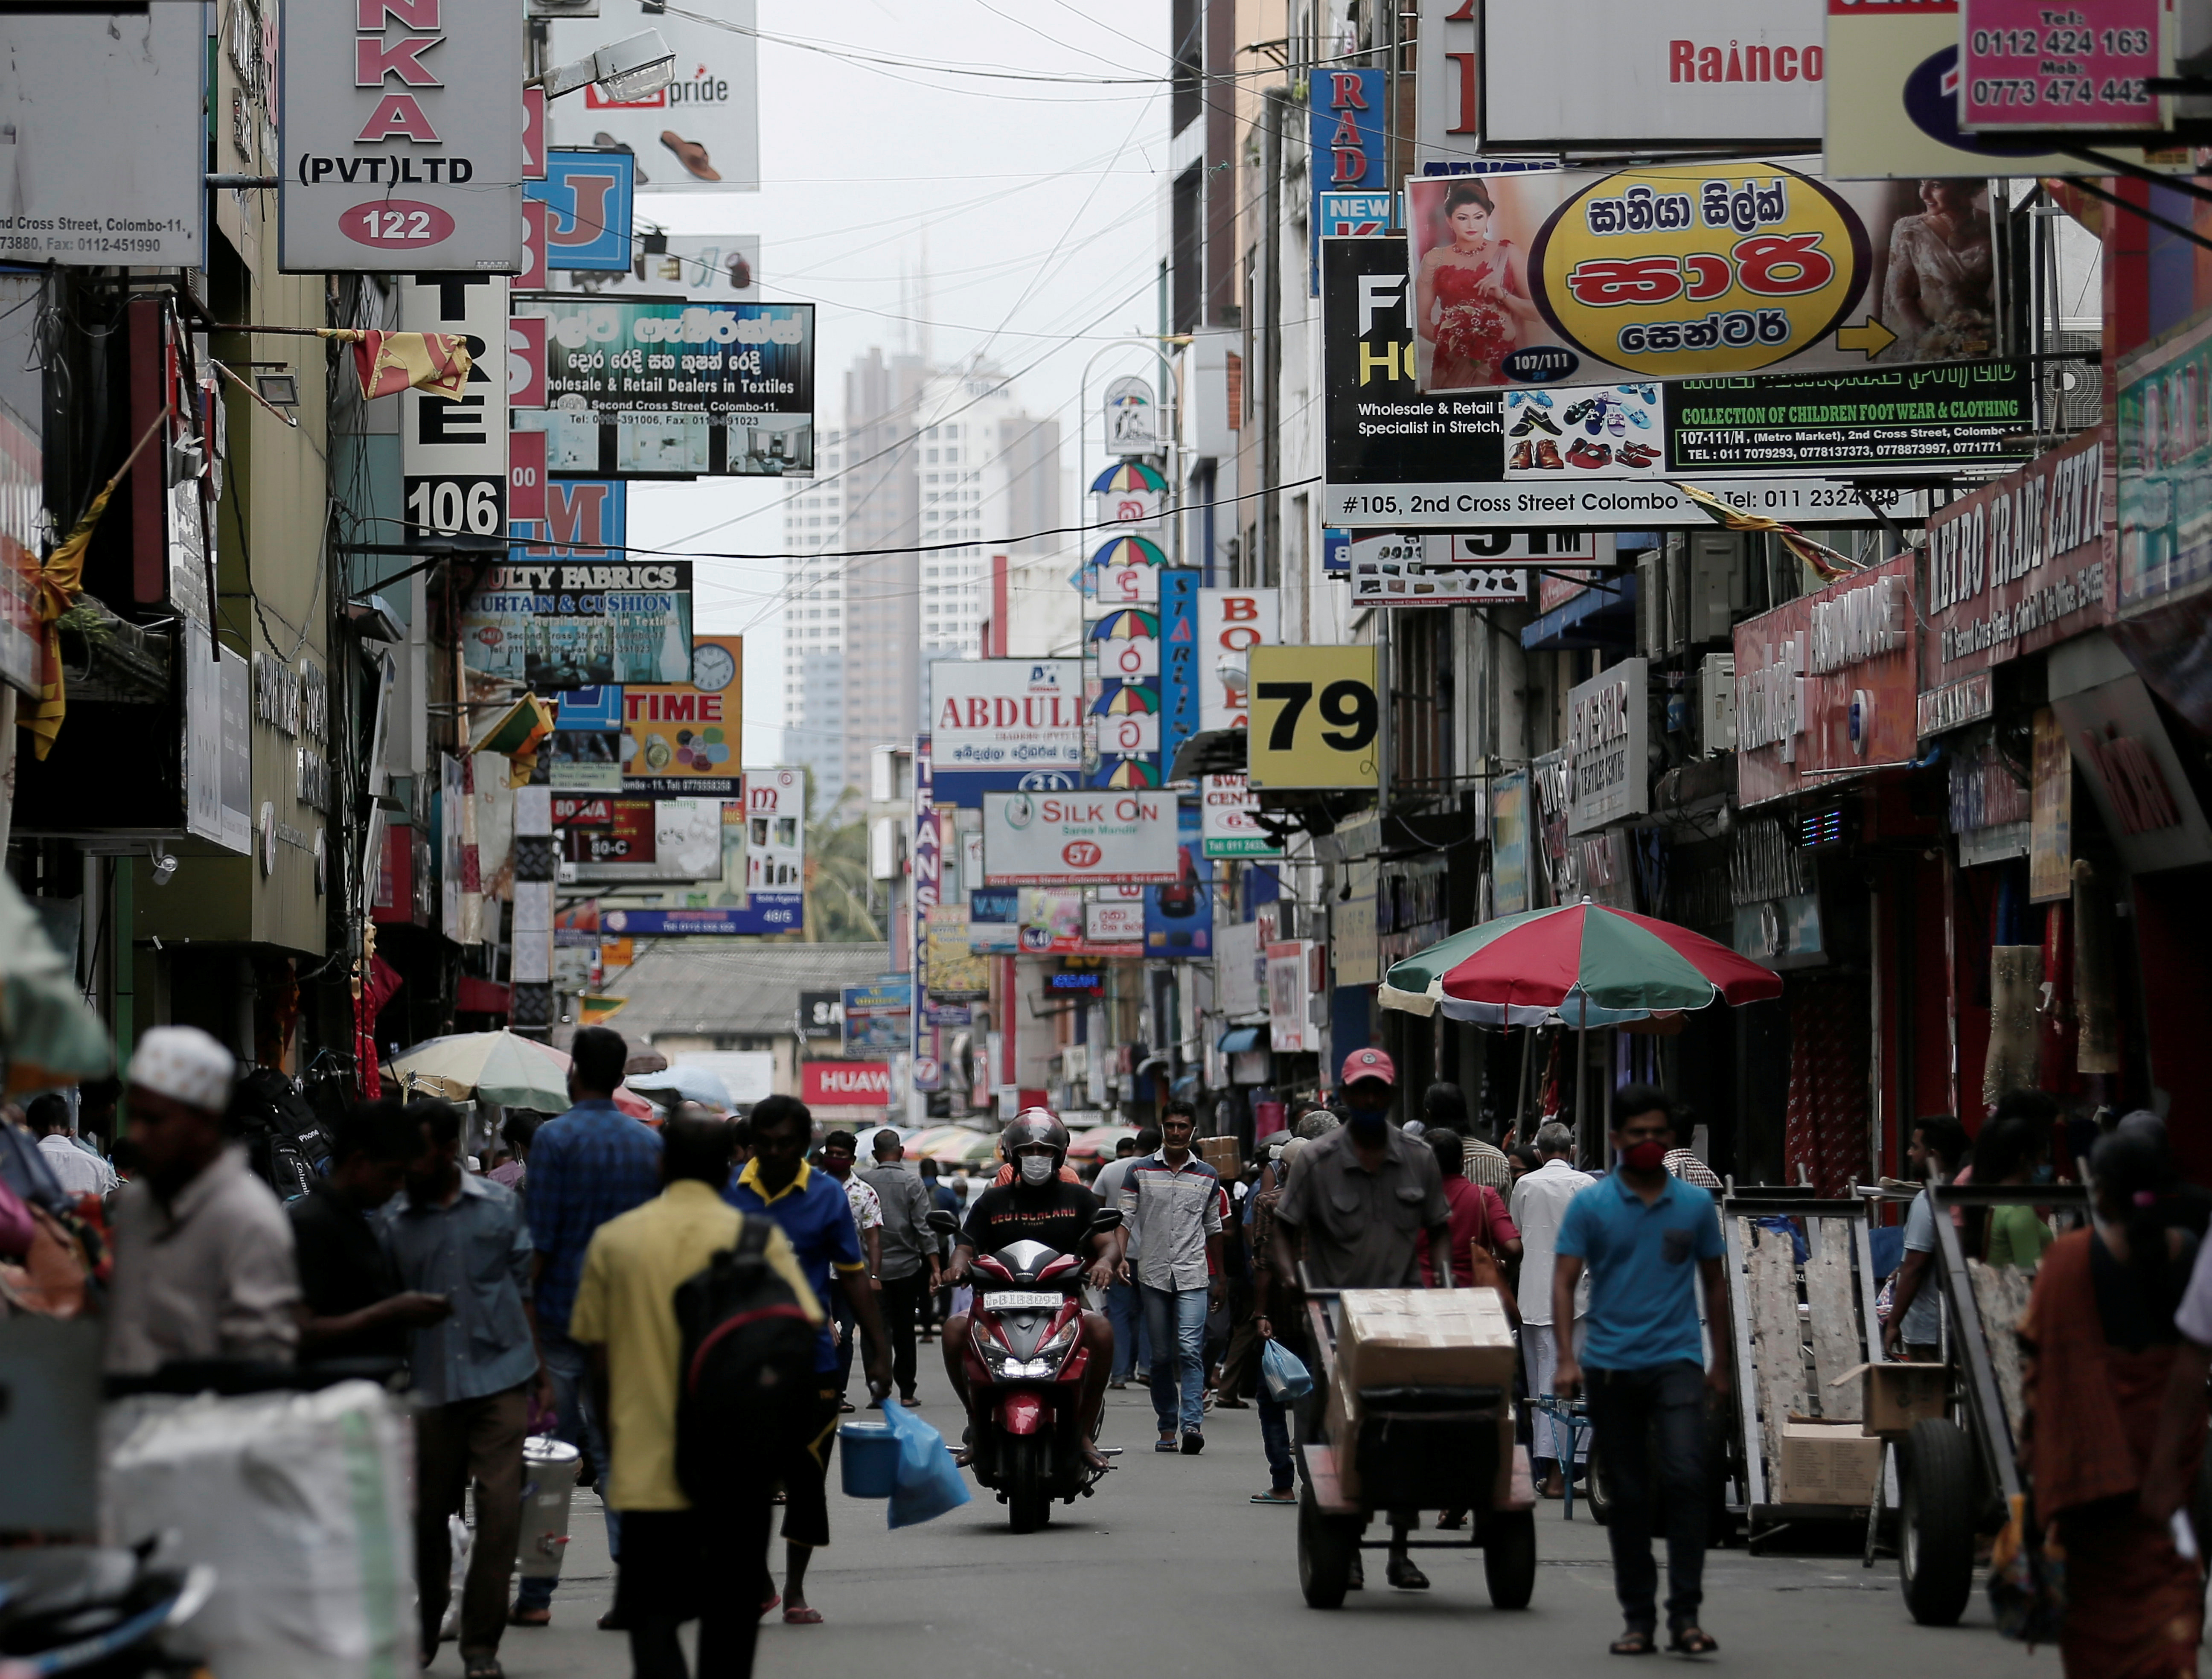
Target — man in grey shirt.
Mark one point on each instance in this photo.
(911, 1268)
(1172, 1201)
(1125, 1307)
(1916, 1318)
(476, 1371)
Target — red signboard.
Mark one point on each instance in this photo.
(630, 840)
(1826, 686)
(846, 1084)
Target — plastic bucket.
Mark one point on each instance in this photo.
(871, 1459)
(549, 1478)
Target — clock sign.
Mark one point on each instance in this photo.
(712, 667)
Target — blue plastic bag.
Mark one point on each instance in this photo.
(929, 1482)
(1285, 1373)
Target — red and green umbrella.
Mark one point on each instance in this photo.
(1580, 964)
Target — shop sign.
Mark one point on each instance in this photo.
(1230, 623)
(1990, 810)
(1409, 908)
(995, 919)
(1179, 917)
(2017, 565)
(2050, 813)
(1005, 714)
(552, 625)
(2165, 459)
(400, 137)
(1226, 807)
(684, 737)
(879, 1015)
(845, 1084)
(588, 196)
(1608, 73)
(2143, 793)
(1681, 271)
(701, 133)
(1315, 717)
(776, 846)
(821, 1015)
(1065, 839)
(1240, 971)
(1113, 920)
(955, 973)
(452, 453)
(1290, 1027)
(1509, 844)
(1132, 418)
(1448, 85)
(1350, 152)
(1956, 704)
(1608, 729)
(1827, 686)
(1606, 868)
(1354, 938)
(2028, 65)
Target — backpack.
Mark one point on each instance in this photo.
(745, 1393)
(285, 1142)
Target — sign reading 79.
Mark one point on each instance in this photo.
(1316, 717)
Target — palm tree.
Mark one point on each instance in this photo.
(840, 891)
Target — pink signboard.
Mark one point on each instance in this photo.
(2029, 65)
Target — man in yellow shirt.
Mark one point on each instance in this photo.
(677, 1564)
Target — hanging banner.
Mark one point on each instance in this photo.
(699, 134)
(400, 137)
(1052, 839)
(1693, 271)
(685, 738)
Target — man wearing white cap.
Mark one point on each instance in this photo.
(204, 1263)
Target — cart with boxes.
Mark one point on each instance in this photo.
(1414, 1404)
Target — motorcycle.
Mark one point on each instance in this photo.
(1025, 1362)
(94, 1612)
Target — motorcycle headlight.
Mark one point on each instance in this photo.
(1000, 1360)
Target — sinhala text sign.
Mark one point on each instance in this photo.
(400, 136)
(1005, 714)
(1056, 839)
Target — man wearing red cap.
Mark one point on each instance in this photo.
(1342, 1214)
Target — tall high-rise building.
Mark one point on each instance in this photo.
(933, 473)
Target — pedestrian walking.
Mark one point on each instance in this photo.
(205, 1271)
(1483, 1163)
(1479, 1218)
(520, 1126)
(679, 1562)
(906, 1254)
(353, 1315)
(839, 1150)
(1171, 1200)
(586, 1165)
(476, 1372)
(78, 1170)
(1343, 1215)
(1939, 1145)
(817, 1218)
(1278, 1314)
(1540, 1199)
(1645, 1236)
(1124, 1305)
(937, 1305)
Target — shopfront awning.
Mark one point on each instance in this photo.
(1602, 616)
(1243, 1040)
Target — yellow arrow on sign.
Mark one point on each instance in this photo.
(1869, 335)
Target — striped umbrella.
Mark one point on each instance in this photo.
(1127, 699)
(1130, 551)
(1133, 772)
(1127, 625)
(1126, 475)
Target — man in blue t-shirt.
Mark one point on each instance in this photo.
(1645, 1236)
(811, 1208)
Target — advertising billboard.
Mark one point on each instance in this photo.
(879, 1015)
(1067, 839)
(1625, 73)
(1005, 714)
(699, 134)
(552, 625)
(775, 841)
(85, 189)
(721, 268)
(588, 197)
(684, 737)
(1693, 270)
(400, 137)
(667, 388)
(1179, 919)
(845, 1084)
(2165, 456)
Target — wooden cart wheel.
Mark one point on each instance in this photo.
(1328, 1547)
(1508, 1556)
(1940, 1492)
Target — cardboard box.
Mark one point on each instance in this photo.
(1894, 1396)
(1220, 1154)
(1423, 1337)
(1827, 1462)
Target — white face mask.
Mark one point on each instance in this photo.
(1035, 1168)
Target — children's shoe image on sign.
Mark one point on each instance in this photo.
(1612, 431)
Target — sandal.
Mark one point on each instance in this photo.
(1693, 1641)
(1401, 1574)
(803, 1616)
(1633, 1643)
(482, 1667)
(519, 1617)
(1276, 1495)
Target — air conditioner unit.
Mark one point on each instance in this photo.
(1716, 702)
(1715, 585)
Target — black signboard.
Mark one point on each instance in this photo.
(821, 1014)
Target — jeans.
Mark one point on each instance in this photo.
(1125, 1309)
(1177, 1318)
(1275, 1419)
(578, 1423)
(479, 1440)
(848, 1327)
(1631, 1410)
(901, 1298)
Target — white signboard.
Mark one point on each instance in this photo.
(401, 136)
(218, 744)
(1448, 91)
(1005, 714)
(1601, 72)
(452, 455)
(722, 269)
(1114, 921)
(1289, 1024)
(775, 835)
(1230, 623)
(1226, 805)
(1609, 727)
(103, 122)
(699, 134)
(1239, 966)
(1132, 418)
(1068, 839)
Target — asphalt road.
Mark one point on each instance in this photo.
(1169, 1571)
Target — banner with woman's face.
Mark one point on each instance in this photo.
(1693, 271)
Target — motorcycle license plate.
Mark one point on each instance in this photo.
(1018, 1300)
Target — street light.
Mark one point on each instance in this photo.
(628, 70)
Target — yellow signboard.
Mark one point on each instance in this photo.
(689, 732)
(1316, 718)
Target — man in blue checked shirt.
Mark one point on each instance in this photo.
(591, 1164)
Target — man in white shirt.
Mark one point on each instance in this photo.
(1540, 1203)
(77, 1170)
(839, 1150)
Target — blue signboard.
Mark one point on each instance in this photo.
(763, 915)
(965, 788)
(588, 196)
(1336, 553)
(586, 519)
(1350, 152)
(1181, 679)
(880, 1016)
(1179, 919)
(591, 710)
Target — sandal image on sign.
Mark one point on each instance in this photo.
(689, 153)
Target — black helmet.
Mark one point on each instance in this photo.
(1031, 1127)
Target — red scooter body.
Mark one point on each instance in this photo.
(1025, 1362)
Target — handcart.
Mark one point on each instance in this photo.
(1416, 1449)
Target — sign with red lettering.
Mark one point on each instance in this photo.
(400, 136)
(845, 1084)
(1005, 714)
(1058, 839)
(1230, 623)
(1706, 72)
(683, 737)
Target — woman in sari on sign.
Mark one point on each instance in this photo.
(1471, 296)
(2112, 1378)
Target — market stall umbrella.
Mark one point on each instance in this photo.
(977, 1148)
(502, 1067)
(684, 1083)
(1099, 1142)
(48, 1035)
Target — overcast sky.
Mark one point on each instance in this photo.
(1033, 203)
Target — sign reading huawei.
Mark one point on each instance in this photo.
(845, 1084)
(401, 136)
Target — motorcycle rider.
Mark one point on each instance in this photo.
(1040, 1205)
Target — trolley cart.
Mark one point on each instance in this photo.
(1957, 1474)
(1410, 1449)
